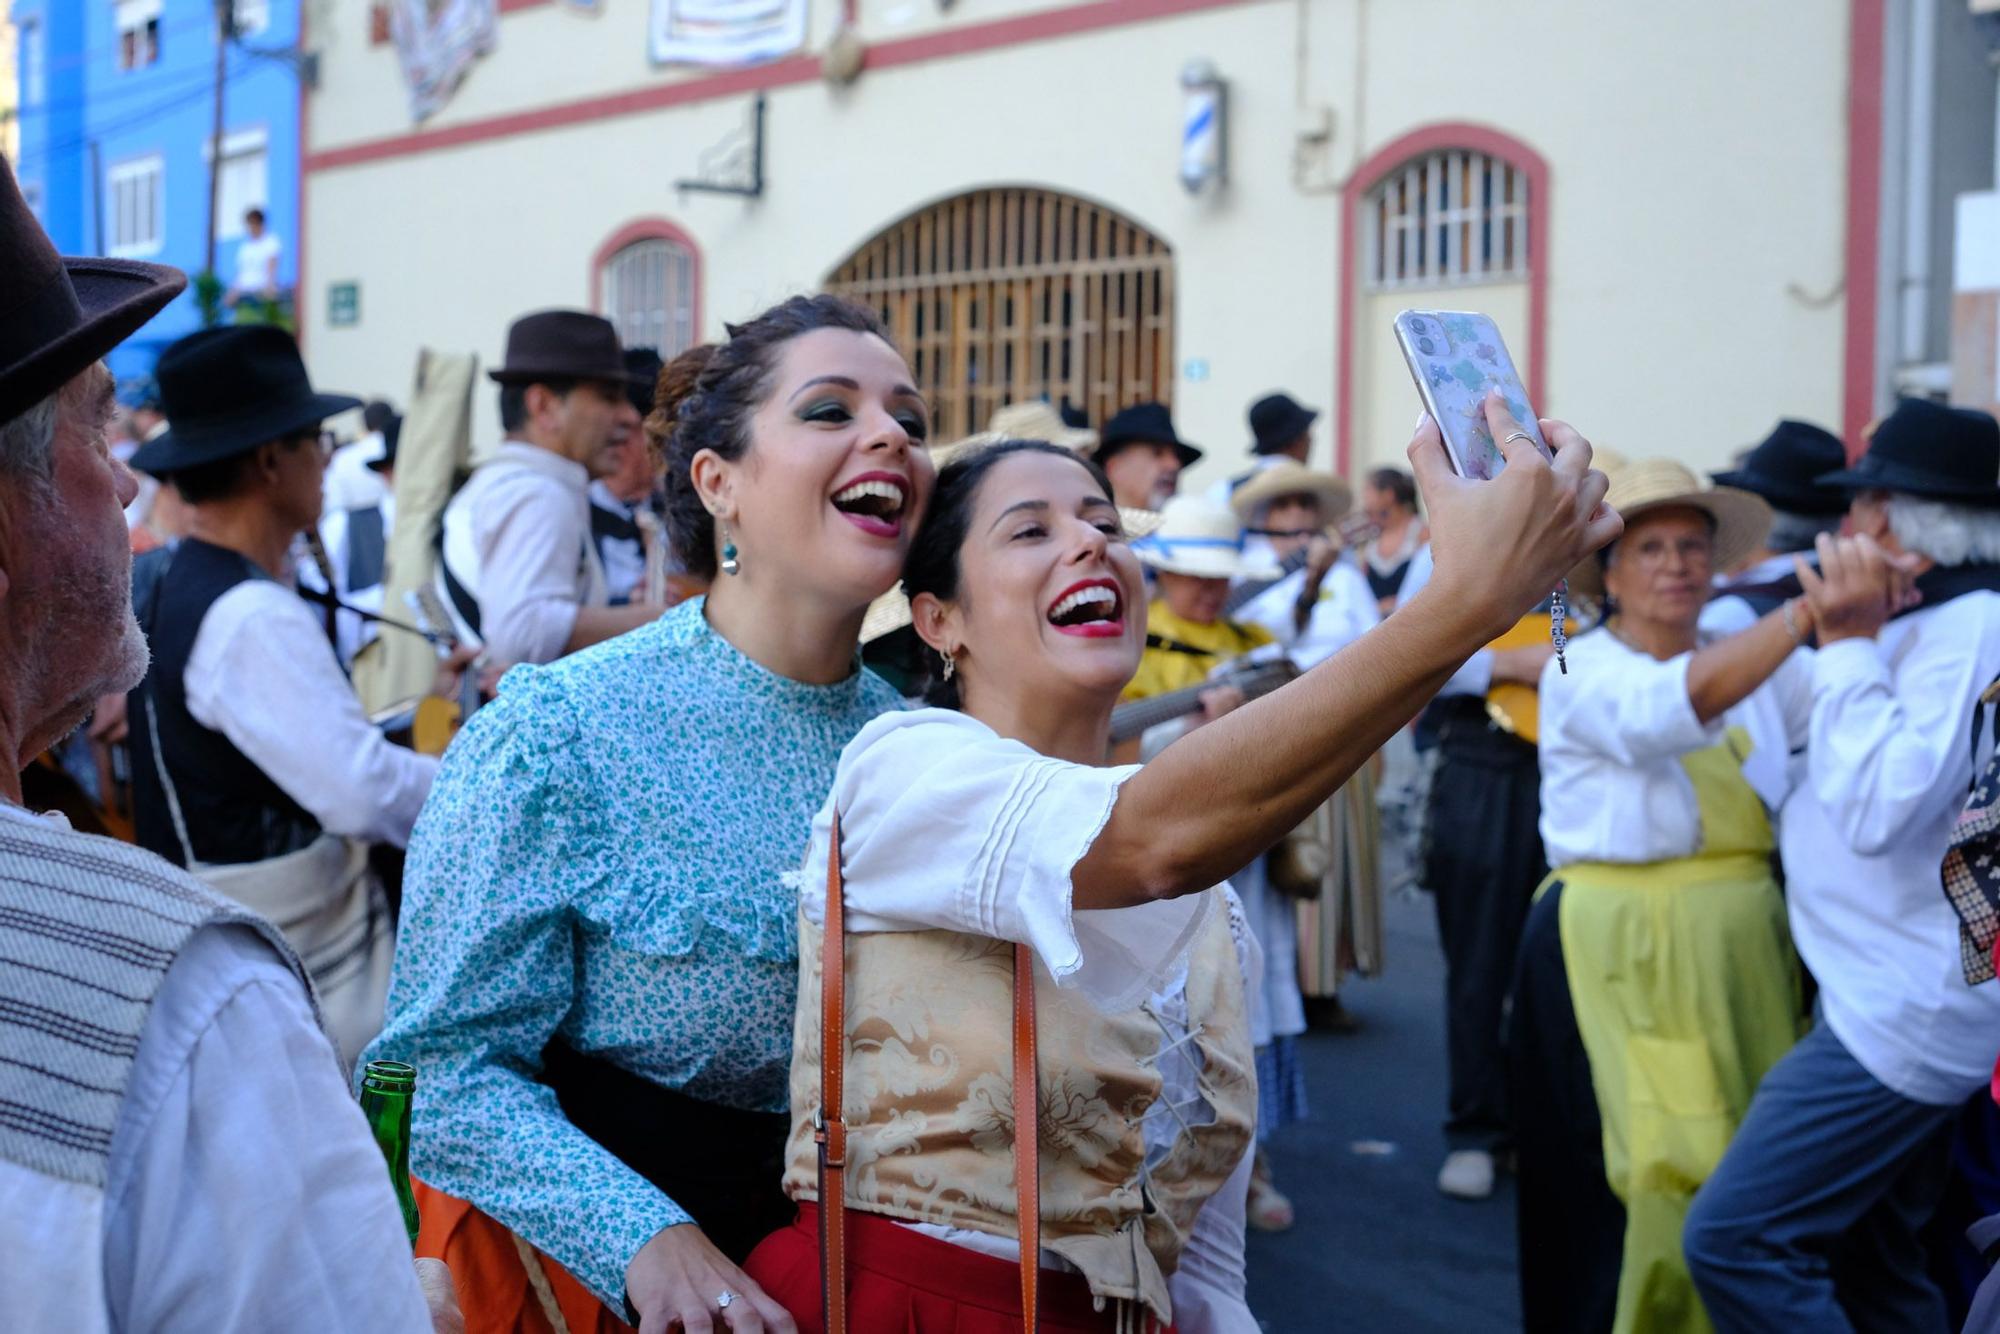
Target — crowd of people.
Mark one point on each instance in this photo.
(879, 882)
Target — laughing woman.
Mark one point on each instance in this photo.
(954, 833)
(598, 953)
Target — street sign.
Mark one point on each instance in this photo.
(343, 304)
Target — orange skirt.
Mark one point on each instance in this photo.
(494, 1287)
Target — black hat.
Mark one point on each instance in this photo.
(377, 415)
(227, 391)
(1144, 423)
(1784, 467)
(392, 435)
(1276, 420)
(1074, 417)
(59, 315)
(643, 366)
(1927, 449)
(561, 345)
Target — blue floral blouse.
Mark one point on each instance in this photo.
(608, 855)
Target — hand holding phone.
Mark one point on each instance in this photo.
(1457, 358)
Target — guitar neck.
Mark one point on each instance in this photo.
(1131, 720)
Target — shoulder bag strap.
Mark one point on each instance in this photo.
(830, 1130)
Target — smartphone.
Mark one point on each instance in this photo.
(1455, 357)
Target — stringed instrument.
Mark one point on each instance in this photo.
(1350, 532)
(1252, 678)
(1514, 707)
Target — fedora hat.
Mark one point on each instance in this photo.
(227, 391)
(1198, 537)
(1276, 420)
(561, 345)
(642, 368)
(1927, 449)
(1640, 486)
(392, 437)
(1288, 477)
(1786, 466)
(59, 315)
(1144, 423)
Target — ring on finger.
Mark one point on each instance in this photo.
(724, 1299)
(1518, 435)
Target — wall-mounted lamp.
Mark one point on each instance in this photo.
(1204, 127)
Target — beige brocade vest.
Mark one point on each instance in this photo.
(930, 1101)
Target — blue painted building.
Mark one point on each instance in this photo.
(115, 136)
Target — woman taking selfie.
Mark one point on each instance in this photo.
(962, 830)
(598, 953)
(1661, 752)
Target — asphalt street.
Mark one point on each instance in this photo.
(1376, 1247)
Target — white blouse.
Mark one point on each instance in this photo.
(946, 825)
(1612, 735)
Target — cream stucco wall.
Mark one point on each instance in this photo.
(1697, 154)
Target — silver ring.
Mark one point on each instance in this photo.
(722, 1303)
(1519, 435)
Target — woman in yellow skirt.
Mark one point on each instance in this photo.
(1661, 753)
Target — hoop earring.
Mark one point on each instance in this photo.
(730, 564)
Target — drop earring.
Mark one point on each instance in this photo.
(730, 564)
(950, 666)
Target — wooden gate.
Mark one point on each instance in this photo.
(1009, 294)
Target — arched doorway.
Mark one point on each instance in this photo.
(1015, 293)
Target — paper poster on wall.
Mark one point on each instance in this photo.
(726, 32)
(438, 40)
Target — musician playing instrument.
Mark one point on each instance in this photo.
(254, 764)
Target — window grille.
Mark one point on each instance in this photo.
(134, 194)
(1009, 294)
(648, 290)
(1446, 219)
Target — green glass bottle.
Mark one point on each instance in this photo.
(387, 1088)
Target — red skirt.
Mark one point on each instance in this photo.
(904, 1282)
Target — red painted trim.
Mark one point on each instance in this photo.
(959, 40)
(1864, 217)
(509, 6)
(1428, 139)
(646, 229)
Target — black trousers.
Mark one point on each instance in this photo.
(1572, 1228)
(1482, 861)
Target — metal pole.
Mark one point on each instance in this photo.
(97, 195)
(225, 24)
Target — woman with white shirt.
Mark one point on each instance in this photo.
(984, 864)
(1661, 753)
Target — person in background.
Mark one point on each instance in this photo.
(516, 564)
(351, 484)
(1784, 470)
(1280, 431)
(1389, 499)
(1143, 456)
(1811, 1221)
(1663, 753)
(182, 1098)
(1316, 609)
(140, 419)
(625, 485)
(356, 542)
(1194, 557)
(257, 256)
(253, 763)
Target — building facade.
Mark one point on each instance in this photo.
(116, 135)
(1675, 212)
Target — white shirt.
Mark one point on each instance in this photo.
(1887, 773)
(256, 259)
(517, 537)
(263, 674)
(350, 484)
(243, 1190)
(1475, 675)
(624, 562)
(1344, 612)
(355, 632)
(1612, 735)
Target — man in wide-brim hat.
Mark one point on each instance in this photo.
(1319, 604)
(1844, 1152)
(1784, 471)
(167, 1052)
(1143, 455)
(517, 565)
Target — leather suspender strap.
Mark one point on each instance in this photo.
(830, 1131)
(1027, 1142)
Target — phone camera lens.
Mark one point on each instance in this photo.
(1426, 346)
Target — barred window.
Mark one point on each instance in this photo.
(1005, 295)
(1446, 219)
(648, 295)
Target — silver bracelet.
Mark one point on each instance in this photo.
(1791, 624)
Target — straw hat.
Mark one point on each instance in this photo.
(1640, 486)
(1198, 537)
(1288, 477)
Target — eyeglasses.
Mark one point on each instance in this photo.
(1652, 553)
